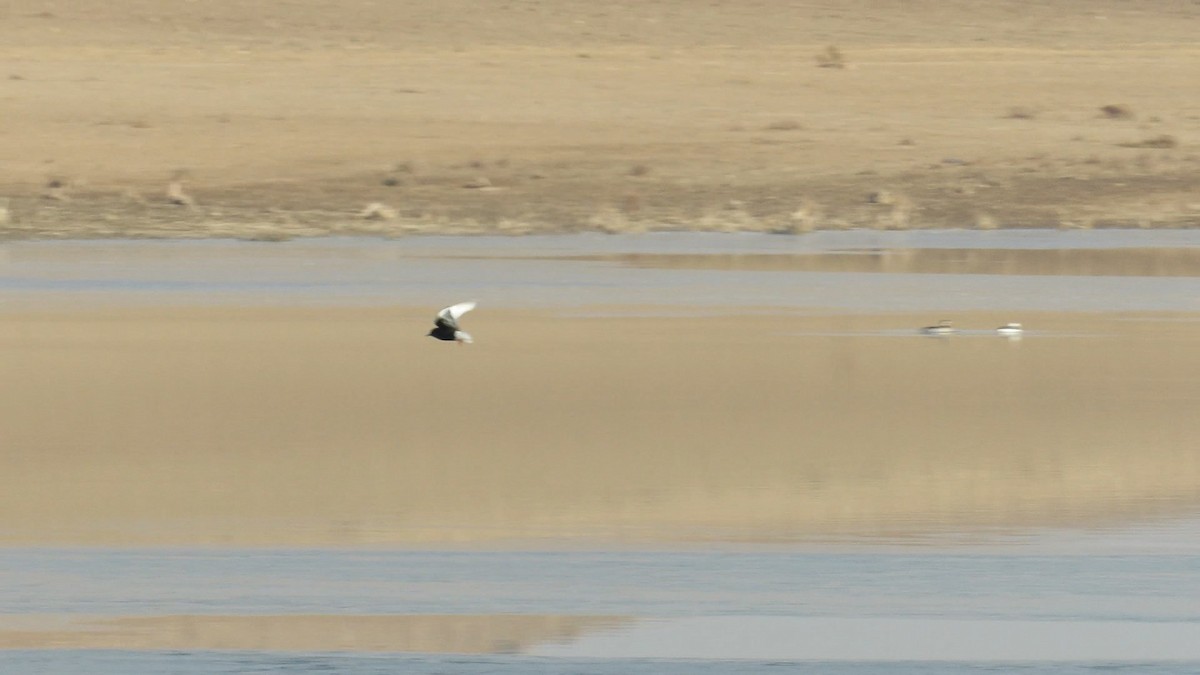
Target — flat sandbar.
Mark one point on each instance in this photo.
(347, 426)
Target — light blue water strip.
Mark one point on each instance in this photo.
(408, 272)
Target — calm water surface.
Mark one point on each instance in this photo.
(532, 272)
(1057, 601)
(184, 663)
(1123, 598)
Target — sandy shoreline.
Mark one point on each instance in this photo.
(314, 426)
(454, 634)
(276, 122)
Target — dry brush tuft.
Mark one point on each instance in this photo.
(831, 57)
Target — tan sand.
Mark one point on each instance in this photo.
(349, 427)
(270, 120)
(457, 634)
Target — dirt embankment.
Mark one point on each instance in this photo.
(271, 121)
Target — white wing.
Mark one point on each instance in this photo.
(453, 312)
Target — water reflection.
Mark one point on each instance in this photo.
(1137, 262)
(456, 634)
(836, 271)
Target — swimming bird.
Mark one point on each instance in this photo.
(446, 324)
(943, 327)
(1010, 330)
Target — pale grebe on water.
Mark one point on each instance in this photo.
(1011, 330)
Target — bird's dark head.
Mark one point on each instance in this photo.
(431, 332)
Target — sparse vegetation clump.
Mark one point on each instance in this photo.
(377, 211)
(831, 57)
(266, 235)
(1114, 111)
(805, 218)
(1162, 142)
(986, 221)
(784, 125)
(885, 197)
(56, 190)
(897, 215)
(176, 195)
(609, 220)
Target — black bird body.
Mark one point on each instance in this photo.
(445, 326)
(443, 330)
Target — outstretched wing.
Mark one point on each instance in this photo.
(449, 316)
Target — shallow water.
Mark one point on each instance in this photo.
(186, 663)
(865, 579)
(1007, 605)
(960, 505)
(532, 272)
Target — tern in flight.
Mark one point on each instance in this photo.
(446, 325)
